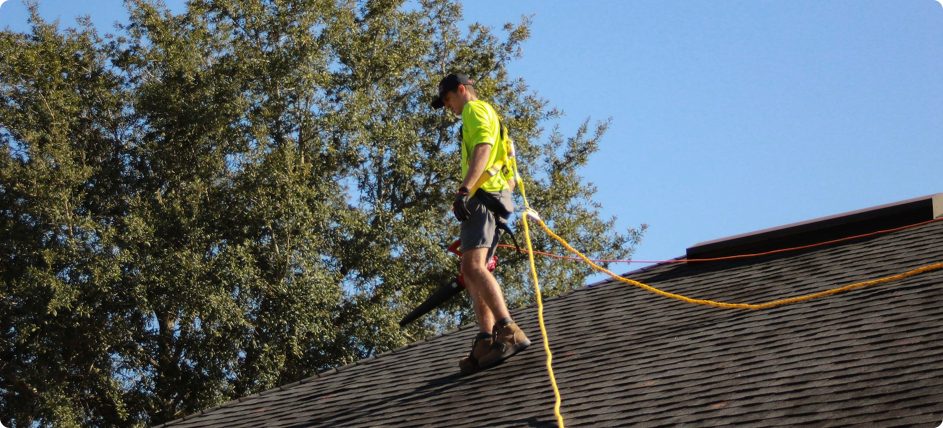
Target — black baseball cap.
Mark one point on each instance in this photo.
(450, 83)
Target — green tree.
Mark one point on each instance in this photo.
(209, 204)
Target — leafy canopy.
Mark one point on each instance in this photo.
(209, 204)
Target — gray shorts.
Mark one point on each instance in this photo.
(479, 230)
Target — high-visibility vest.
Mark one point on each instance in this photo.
(504, 166)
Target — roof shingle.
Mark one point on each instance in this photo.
(623, 356)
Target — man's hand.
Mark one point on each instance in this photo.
(458, 206)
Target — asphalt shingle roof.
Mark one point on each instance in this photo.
(624, 357)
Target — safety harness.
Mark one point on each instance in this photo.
(506, 167)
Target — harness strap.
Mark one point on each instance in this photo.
(500, 166)
(505, 166)
(501, 214)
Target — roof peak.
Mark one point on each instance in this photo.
(821, 229)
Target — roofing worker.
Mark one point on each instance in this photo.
(483, 143)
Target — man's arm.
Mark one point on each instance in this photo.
(477, 164)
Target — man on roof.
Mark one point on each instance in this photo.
(482, 204)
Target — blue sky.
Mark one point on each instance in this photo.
(727, 117)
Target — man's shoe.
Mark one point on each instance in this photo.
(480, 347)
(508, 340)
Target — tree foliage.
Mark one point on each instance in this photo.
(212, 203)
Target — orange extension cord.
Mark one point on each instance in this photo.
(531, 214)
(735, 257)
(727, 305)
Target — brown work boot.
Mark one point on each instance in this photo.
(480, 347)
(508, 340)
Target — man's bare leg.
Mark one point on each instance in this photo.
(486, 295)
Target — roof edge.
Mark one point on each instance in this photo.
(313, 377)
(849, 223)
